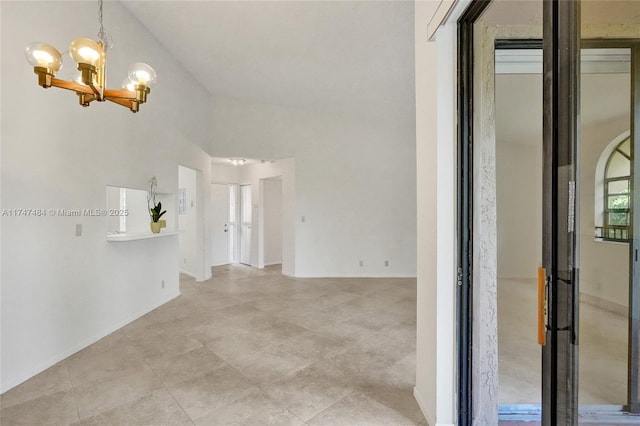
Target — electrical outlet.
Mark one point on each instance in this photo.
(304, 219)
(184, 260)
(78, 230)
(386, 263)
(162, 283)
(361, 263)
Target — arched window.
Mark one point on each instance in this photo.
(616, 201)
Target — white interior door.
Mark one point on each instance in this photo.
(245, 224)
(220, 234)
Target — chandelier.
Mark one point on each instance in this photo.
(91, 57)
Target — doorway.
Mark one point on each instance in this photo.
(222, 226)
(564, 253)
(192, 260)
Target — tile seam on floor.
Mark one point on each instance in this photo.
(73, 394)
(369, 395)
(331, 405)
(178, 403)
(279, 403)
(166, 388)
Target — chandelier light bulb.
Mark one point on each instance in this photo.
(142, 74)
(43, 55)
(86, 51)
(128, 85)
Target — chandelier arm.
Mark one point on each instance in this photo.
(119, 94)
(71, 85)
(85, 99)
(96, 91)
(129, 103)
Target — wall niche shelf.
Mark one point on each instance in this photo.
(132, 236)
(130, 219)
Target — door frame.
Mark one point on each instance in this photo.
(464, 276)
(464, 194)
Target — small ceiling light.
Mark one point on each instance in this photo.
(91, 57)
(237, 161)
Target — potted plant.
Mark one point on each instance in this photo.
(155, 208)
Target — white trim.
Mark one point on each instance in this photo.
(191, 274)
(442, 13)
(423, 406)
(273, 263)
(76, 348)
(446, 353)
(350, 275)
(594, 61)
(133, 236)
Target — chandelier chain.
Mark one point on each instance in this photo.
(103, 36)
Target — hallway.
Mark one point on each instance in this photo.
(247, 347)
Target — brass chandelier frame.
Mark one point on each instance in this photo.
(91, 86)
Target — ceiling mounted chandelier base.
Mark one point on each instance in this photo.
(91, 57)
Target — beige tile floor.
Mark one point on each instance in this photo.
(248, 347)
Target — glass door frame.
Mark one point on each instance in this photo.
(562, 46)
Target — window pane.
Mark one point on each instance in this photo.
(618, 187)
(618, 202)
(625, 147)
(618, 219)
(618, 166)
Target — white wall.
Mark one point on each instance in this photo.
(137, 219)
(354, 182)
(222, 173)
(61, 292)
(519, 174)
(272, 199)
(426, 390)
(113, 201)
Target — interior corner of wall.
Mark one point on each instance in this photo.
(423, 406)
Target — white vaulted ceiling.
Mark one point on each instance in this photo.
(344, 57)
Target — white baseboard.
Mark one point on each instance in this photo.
(423, 407)
(273, 263)
(331, 275)
(76, 348)
(191, 274)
